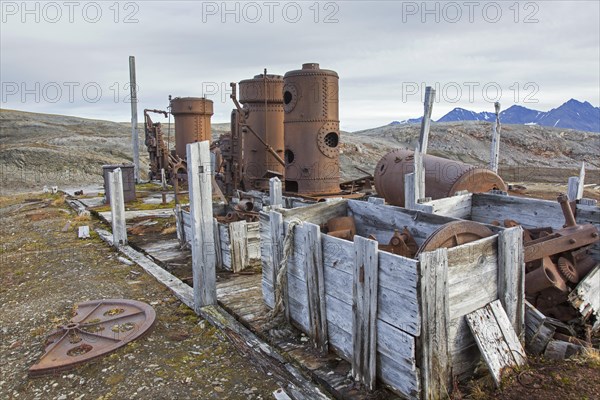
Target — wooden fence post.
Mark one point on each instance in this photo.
(237, 240)
(201, 215)
(511, 277)
(495, 151)
(275, 196)
(426, 122)
(218, 250)
(575, 185)
(117, 208)
(315, 285)
(364, 311)
(419, 175)
(435, 317)
(410, 197)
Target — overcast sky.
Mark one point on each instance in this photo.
(72, 57)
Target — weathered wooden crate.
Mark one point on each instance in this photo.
(238, 243)
(531, 213)
(400, 319)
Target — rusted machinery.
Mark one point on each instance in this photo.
(192, 121)
(312, 131)
(97, 328)
(230, 169)
(556, 260)
(158, 151)
(262, 101)
(443, 177)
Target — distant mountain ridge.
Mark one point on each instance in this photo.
(571, 115)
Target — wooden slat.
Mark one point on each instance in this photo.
(537, 333)
(117, 207)
(586, 296)
(511, 277)
(364, 307)
(456, 206)
(277, 243)
(315, 284)
(496, 339)
(435, 362)
(237, 237)
(318, 213)
(275, 198)
(217, 239)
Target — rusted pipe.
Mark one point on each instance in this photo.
(567, 210)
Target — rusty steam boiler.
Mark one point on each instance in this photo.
(192, 121)
(312, 131)
(443, 177)
(262, 100)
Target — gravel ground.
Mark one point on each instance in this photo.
(45, 270)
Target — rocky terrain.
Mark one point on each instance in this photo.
(42, 149)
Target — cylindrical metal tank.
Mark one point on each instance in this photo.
(312, 131)
(262, 98)
(192, 121)
(443, 177)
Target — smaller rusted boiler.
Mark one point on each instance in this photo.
(443, 177)
(192, 121)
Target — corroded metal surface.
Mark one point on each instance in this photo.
(97, 328)
(342, 227)
(454, 234)
(402, 244)
(158, 152)
(262, 100)
(443, 177)
(312, 131)
(192, 121)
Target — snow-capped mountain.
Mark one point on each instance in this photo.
(572, 115)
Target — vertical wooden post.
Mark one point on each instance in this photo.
(410, 196)
(435, 359)
(511, 277)
(426, 122)
(201, 215)
(419, 175)
(134, 119)
(277, 240)
(180, 225)
(218, 250)
(275, 196)
(117, 208)
(237, 239)
(315, 285)
(364, 311)
(495, 150)
(575, 185)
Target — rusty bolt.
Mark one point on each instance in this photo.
(572, 241)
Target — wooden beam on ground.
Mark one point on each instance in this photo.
(201, 213)
(117, 207)
(426, 122)
(364, 311)
(435, 316)
(496, 339)
(511, 277)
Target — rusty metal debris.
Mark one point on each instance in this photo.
(556, 260)
(443, 177)
(454, 234)
(312, 131)
(402, 244)
(97, 328)
(342, 227)
(158, 150)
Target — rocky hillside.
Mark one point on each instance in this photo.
(42, 149)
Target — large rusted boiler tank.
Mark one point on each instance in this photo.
(262, 98)
(443, 177)
(312, 130)
(192, 121)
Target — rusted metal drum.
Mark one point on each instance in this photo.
(262, 98)
(312, 131)
(192, 121)
(443, 177)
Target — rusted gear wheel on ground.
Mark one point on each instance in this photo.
(567, 269)
(454, 234)
(98, 328)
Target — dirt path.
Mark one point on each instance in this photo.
(44, 271)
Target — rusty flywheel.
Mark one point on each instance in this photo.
(454, 234)
(97, 328)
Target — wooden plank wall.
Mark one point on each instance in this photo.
(456, 206)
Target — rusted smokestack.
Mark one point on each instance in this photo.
(262, 98)
(443, 177)
(312, 130)
(192, 121)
